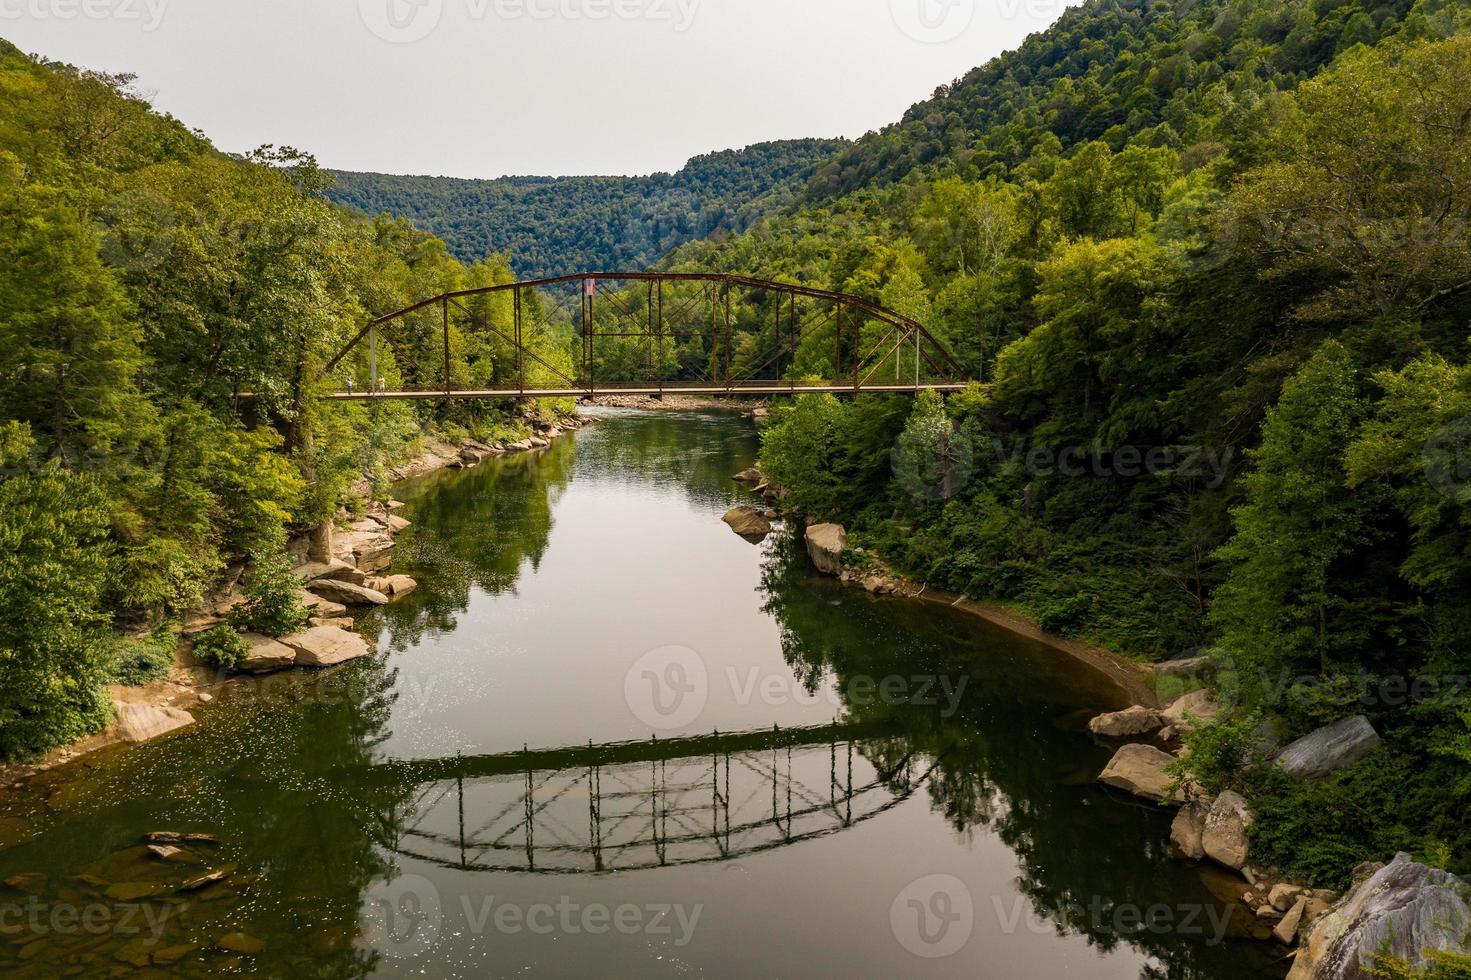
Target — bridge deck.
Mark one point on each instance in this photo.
(771, 388)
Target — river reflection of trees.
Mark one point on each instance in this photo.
(1011, 758)
(482, 528)
(260, 773)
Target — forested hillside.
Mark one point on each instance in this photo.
(556, 225)
(1221, 302)
(1191, 75)
(165, 313)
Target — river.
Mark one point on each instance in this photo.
(606, 736)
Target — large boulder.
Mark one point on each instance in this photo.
(1338, 746)
(1128, 723)
(368, 546)
(266, 655)
(1188, 831)
(1200, 705)
(1403, 909)
(326, 646)
(141, 722)
(1224, 837)
(825, 544)
(1140, 769)
(348, 594)
(752, 476)
(748, 522)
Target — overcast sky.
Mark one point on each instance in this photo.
(483, 88)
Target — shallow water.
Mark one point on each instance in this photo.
(608, 736)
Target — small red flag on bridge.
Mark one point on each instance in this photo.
(589, 287)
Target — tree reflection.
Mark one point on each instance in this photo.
(1012, 759)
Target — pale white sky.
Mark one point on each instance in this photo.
(483, 88)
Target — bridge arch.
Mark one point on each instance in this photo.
(651, 313)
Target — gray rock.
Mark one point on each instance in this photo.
(752, 476)
(1404, 909)
(348, 594)
(1224, 839)
(1137, 720)
(825, 544)
(1326, 750)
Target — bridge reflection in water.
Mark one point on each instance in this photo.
(656, 803)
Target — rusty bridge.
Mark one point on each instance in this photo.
(644, 333)
(599, 809)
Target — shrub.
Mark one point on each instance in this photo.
(271, 606)
(222, 647)
(136, 662)
(1220, 753)
(1439, 965)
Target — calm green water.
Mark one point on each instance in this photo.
(608, 737)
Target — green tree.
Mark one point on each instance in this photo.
(1279, 606)
(54, 560)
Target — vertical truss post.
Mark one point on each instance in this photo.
(520, 360)
(444, 321)
(659, 335)
(837, 342)
(650, 332)
(373, 361)
(726, 379)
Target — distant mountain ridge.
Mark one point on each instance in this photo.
(556, 224)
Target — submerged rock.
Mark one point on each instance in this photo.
(748, 522)
(825, 545)
(141, 722)
(1403, 909)
(1326, 750)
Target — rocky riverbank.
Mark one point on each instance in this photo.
(344, 570)
(1403, 908)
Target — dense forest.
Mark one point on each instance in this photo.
(556, 225)
(165, 313)
(1212, 263)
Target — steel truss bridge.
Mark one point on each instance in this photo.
(636, 805)
(874, 349)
